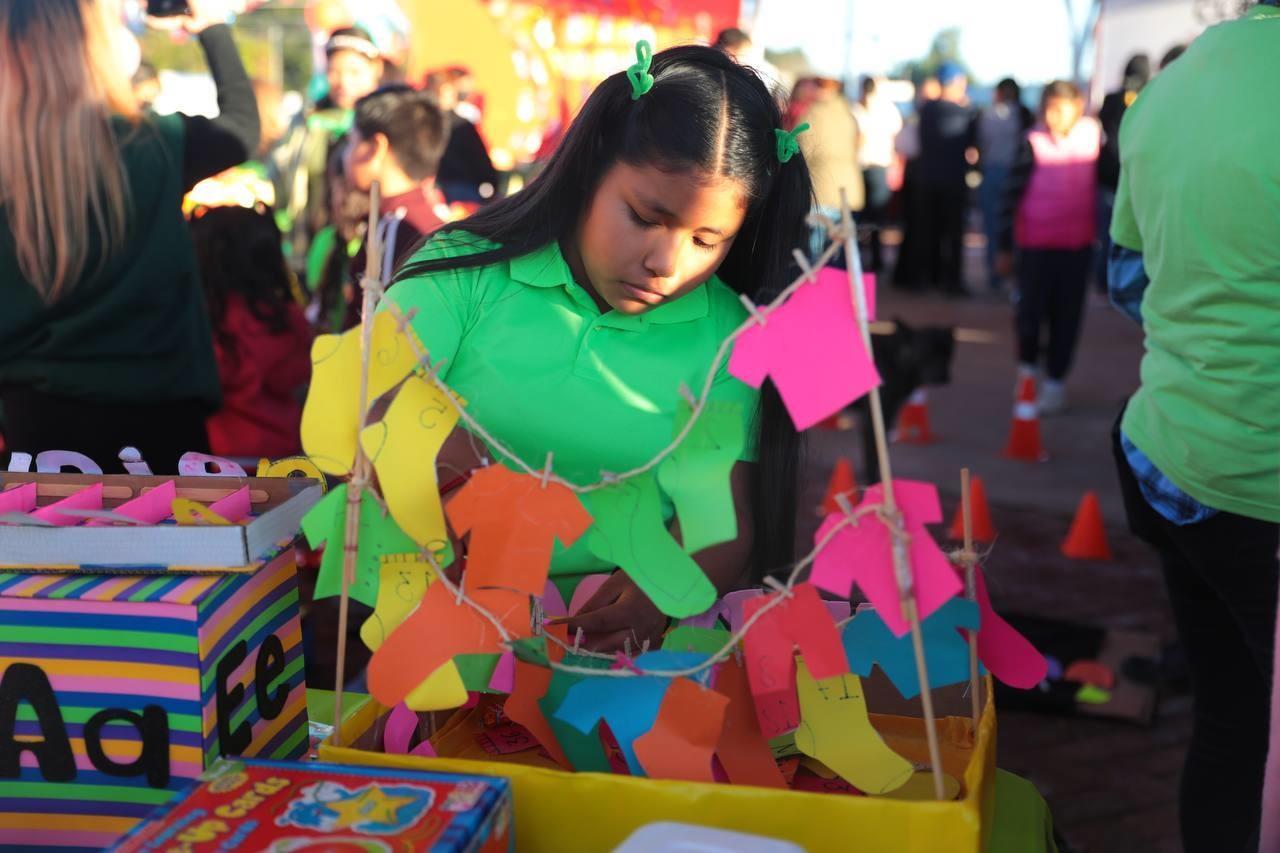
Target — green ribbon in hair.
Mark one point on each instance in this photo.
(788, 145)
(638, 74)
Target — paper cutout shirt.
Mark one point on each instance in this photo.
(696, 475)
(812, 348)
(868, 641)
(629, 533)
(629, 706)
(326, 523)
(743, 751)
(770, 650)
(514, 523)
(837, 731)
(863, 552)
(403, 447)
(438, 631)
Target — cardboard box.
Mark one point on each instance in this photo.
(117, 690)
(558, 811)
(271, 805)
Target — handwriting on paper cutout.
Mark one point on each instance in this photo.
(506, 739)
(628, 706)
(440, 629)
(331, 418)
(813, 349)
(743, 751)
(863, 552)
(867, 641)
(89, 497)
(682, 740)
(194, 464)
(629, 532)
(814, 784)
(402, 581)
(403, 447)
(1009, 655)
(696, 475)
(769, 647)
(837, 731)
(53, 461)
(326, 522)
(514, 522)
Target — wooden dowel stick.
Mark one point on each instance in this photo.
(360, 471)
(969, 558)
(901, 560)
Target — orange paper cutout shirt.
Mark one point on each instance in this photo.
(439, 630)
(531, 684)
(683, 738)
(743, 751)
(514, 523)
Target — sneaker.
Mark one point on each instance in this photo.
(1053, 397)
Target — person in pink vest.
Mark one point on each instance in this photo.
(1048, 214)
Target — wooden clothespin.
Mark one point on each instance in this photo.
(546, 471)
(752, 309)
(577, 641)
(403, 319)
(842, 501)
(688, 396)
(810, 274)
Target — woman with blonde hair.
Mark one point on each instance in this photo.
(104, 338)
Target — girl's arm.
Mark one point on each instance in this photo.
(620, 610)
(213, 145)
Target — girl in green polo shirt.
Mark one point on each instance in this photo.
(570, 314)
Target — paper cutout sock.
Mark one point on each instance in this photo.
(403, 448)
(331, 418)
(629, 533)
(1009, 655)
(837, 731)
(812, 348)
(743, 751)
(683, 738)
(769, 648)
(696, 475)
(437, 631)
(402, 581)
(326, 522)
(514, 523)
(867, 641)
(864, 553)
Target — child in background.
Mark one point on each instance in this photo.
(396, 139)
(569, 314)
(1048, 213)
(261, 338)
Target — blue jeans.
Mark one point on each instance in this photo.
(990, 197)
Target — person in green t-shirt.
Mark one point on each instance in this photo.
(1196, 260)
(570, 314)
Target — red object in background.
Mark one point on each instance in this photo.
(913, 420)
(1024, 435)
(842, 482)
(723, 13)
(983, 529)
(1087, 539)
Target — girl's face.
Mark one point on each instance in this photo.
(351, 77)
(650, 236)
(1061, 114)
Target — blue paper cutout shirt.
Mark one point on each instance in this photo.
(868, 641)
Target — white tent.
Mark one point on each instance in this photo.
(1126, 27)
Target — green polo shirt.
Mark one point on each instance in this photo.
(545, 371)
(1199, 196)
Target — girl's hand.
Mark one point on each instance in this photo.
(202, 14)
(619, 611)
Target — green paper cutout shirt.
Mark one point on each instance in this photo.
(326, 523)
(545, 371)
(696, 475)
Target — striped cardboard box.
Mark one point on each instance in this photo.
(118, 690)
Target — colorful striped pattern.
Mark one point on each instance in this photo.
(127, 641)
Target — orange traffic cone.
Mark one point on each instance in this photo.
(832, 423)
(983, 530)
(842, 483)
(913, 420)
(1088, 538)
(1024, 436)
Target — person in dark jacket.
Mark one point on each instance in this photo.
(104, 336)
(946, 135)
(1137, 73)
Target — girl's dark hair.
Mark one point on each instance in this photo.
(705, 113)
(238, 251)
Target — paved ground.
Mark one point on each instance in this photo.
(1112, 786)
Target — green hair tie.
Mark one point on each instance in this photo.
(638, 74)
(788, 145)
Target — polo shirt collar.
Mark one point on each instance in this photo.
(546, 267)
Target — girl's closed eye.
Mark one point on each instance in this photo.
(640, 220)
